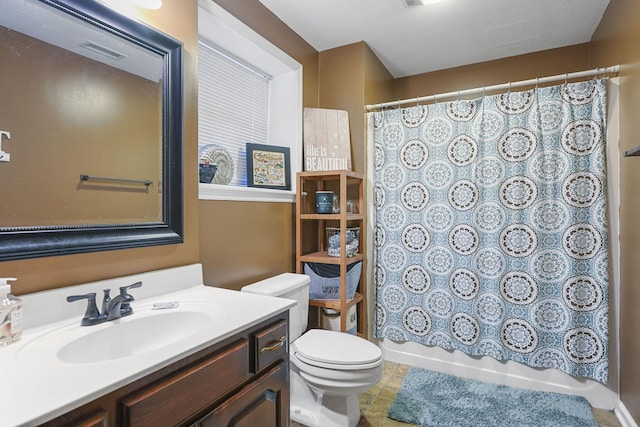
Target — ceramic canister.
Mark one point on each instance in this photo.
(324, 202)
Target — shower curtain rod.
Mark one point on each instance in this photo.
(596, 71)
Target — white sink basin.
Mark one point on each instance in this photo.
(124, 339)
(138, 333)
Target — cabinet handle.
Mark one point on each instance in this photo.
(279, 343)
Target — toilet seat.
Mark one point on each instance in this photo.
(336, 350)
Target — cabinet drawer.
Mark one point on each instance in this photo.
(269, 345)
(176, 398)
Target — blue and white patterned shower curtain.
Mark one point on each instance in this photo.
(491, 227)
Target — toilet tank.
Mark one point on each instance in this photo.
(292, 286)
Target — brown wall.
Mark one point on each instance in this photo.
(616, 41)
(522, 67)
(178, 20)
(350, 77)
(378, 81)
(341, 87)
(242, 242)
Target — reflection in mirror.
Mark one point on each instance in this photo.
(91, 122)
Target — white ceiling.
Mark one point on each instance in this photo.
(451, 33)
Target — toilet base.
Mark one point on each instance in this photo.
(314, 409)
(331, 411)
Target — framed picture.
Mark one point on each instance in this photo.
(268, 166)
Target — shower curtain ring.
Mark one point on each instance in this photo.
(509, 89)
(566, 75)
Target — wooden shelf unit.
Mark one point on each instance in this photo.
(311, 243)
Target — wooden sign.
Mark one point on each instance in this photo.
(327, 141)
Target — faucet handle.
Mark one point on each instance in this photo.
(125, 289)
(92, 315)
(125, 308)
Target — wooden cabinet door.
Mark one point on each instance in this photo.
(263, 402)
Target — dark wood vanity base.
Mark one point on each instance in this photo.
(243, 380)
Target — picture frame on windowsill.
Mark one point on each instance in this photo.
(268, 166)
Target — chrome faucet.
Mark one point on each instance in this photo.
(112, 308)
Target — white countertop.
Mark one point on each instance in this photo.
(37, 386)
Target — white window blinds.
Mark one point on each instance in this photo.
(233, 105)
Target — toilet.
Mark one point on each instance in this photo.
(328, 368)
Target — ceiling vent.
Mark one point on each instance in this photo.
(110, 53)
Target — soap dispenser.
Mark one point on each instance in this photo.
(10, 314)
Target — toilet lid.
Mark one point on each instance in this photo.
(335, 348)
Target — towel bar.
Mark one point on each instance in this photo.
(102, 178)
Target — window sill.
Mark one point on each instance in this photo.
(245, 194)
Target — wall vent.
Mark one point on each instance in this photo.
(110, 53)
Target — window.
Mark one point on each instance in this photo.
(249, 91)
(233, 105)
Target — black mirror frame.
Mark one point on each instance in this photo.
(34, 242)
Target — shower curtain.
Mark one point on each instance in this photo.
(491, 226)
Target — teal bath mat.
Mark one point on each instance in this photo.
(434, 399)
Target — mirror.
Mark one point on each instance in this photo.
(90, 130)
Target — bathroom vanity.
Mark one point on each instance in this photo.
(236, 379)
(220, 357)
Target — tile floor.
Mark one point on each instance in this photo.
(375, 404)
